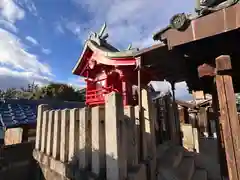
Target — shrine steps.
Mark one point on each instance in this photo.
(176, 163)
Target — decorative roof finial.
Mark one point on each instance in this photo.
(102, 31)
(99, 37)
(129, 47)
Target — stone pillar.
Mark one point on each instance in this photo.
(64, 142)
(73, 135)
(98, 141)
(56, 134)
(85, 139)
(50, 133)
(44, 131)
(116, 160)
(41, 108)
(132, 146)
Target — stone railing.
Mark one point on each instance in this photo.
(100, 142)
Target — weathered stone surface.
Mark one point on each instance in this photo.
(116, 160)
(98, 140)
(132, 146)
(56, 134)
(13, 136)
(44, 131)
(41, 108)
(73, 134)
(64, 142)
(50, 137)
(188, 140)
(84, 151)
(138, 173)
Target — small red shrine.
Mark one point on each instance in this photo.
(106, 69)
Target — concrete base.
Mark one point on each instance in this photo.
(49, 174)
(53, 169)
(138, 173)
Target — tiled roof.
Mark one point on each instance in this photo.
(17, 114)
(14, 113)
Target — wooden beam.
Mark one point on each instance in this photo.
(141, 120)
(228, 116)
(220, 142)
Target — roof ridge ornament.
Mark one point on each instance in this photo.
(204, 7)
(129, 47)
(181, 21)
(100, 37)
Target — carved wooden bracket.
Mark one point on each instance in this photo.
(206, 70)
(223, 67)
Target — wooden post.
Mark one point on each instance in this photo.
(116, 160)
(220, 142)
(228, 116)
(142, 140)
(136, 110)
(177, 131)
(203, 124)
(209, 70)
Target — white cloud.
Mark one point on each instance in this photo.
(46, 51)
(14, 54)
(32, 40)
(8, 25)
(59, 28)
(66, 25)
(10, 11)
(182, 91)
(77, 82)
(29, 5)
(131, 21)
(74, 27)
(18, 67)
(15, 79)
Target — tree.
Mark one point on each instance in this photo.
(9, 93)
(58, 91)
(55, 91)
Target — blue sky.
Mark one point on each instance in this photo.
(41, 40)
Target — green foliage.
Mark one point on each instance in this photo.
(56, 91)
(9, 93)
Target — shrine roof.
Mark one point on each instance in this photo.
(199, 27)
(105, 50)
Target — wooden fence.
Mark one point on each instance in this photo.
(102, 142)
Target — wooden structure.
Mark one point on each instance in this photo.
(107, 69)
(215, 71)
